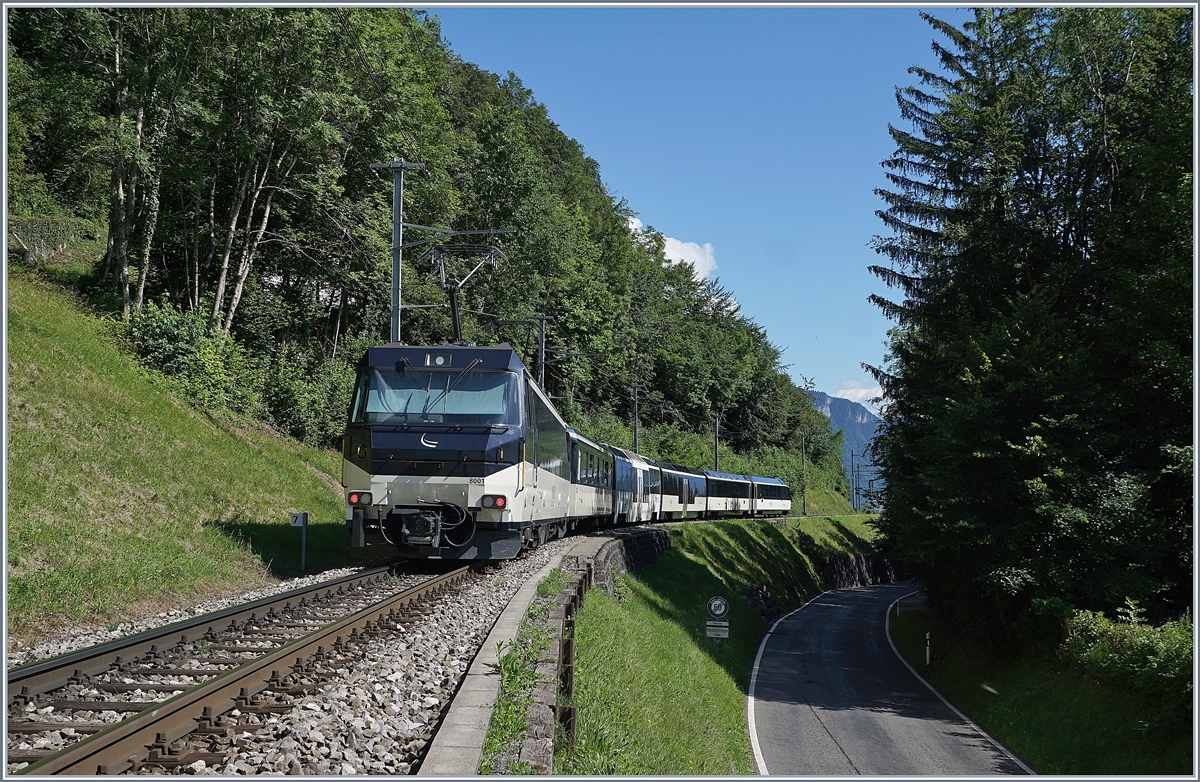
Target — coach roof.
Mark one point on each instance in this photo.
(726, 476)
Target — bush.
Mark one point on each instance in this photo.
(167, 338)
(307, 397)
(1153, 661)
(303, 394)
(214, 370)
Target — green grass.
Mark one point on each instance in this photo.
(1053, 717)
(554, 582)
(830, 535)
(517, 667)
(121, 498)
(654, 694)
(821, 500)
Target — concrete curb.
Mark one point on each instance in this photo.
(458, 746)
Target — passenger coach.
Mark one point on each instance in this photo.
(771, 497)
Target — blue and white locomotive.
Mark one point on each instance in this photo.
(455, 452)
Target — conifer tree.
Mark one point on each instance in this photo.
(1036, 444)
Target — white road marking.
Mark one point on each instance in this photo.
(887, 628)
(750, 724)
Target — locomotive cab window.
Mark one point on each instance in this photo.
(453, 397)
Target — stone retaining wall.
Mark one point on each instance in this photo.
(851, 570)
(629, 550)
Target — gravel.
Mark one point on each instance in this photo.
(89, 635)
(379, 713)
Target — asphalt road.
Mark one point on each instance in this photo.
(832, 698)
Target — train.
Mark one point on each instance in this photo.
(455, 452)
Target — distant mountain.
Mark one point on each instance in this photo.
(856, 421)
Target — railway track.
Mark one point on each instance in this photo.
(180, 696)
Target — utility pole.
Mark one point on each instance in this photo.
(398, 168)
(716, 442)
(636, 386)
(804, 480)
(853, 485)
(541, 319)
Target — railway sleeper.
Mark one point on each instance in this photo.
(210, 758)
(243, 649)
(267, 708)
(41, 727)
(141, 687)
(206, 672)
(96, 706)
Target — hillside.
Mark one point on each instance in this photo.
(121, 498)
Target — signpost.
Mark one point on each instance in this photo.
(301, 520)
(718, 626)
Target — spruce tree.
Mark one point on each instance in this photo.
(1037, 435)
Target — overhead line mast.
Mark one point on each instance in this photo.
(398, 167)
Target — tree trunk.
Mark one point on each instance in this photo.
(337, 328)
(248, 252)
(122, 233)
(250, 246)
(235, 211)
(212, 232)
(149, 226)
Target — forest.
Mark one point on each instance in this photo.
(1037, 442)
(222, 158)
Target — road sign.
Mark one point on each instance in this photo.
(718, 607)
(716, 629)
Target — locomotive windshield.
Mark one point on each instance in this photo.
(411, 396)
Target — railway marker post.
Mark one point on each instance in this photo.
(926, 650)
(301, 520)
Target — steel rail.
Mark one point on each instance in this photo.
(147, 735)
(47, 675)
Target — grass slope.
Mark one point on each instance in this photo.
(655, 695)
(1053, 717)
(121, 498)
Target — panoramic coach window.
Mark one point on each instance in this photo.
(477, 397)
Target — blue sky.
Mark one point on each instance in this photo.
(752, 137)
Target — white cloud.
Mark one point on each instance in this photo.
(701, 258)
(860, 390)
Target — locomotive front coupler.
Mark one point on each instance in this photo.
(413, 527)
